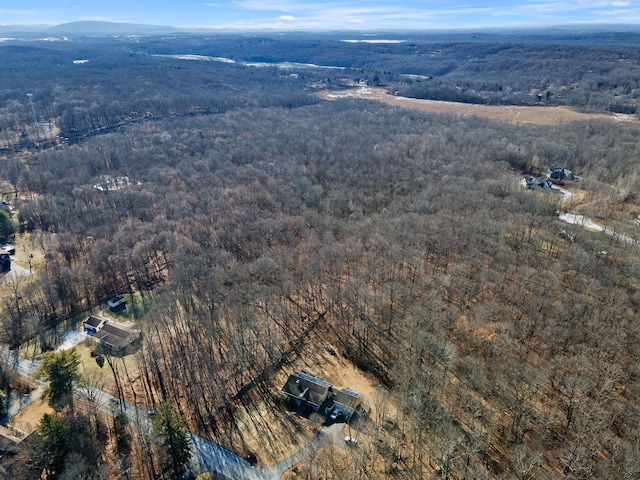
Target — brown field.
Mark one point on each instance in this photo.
(29, 418)
(523, 115)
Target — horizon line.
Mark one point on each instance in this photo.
(246, 28)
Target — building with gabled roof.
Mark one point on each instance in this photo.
(307, 390)
(94, 323)
(346, 401)
(109, 333)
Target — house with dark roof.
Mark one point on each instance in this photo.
(560, 173)
(532, 183)
(111, 334)
(307, 390)
(94, 323)
(346, 401)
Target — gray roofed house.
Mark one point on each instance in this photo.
(306, 389)
(94, 323)
(560, 173)
(111, 334)
(346, 401)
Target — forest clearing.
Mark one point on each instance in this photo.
(519, 114)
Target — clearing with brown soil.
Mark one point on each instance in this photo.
(524, 115)
(272, 431)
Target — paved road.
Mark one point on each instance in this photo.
(207, 456)
(332, 434)
(21, 365)
(16, 402)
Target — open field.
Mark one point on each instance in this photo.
(27, 420)
(523, 115)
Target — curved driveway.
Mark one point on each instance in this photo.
(207, 456)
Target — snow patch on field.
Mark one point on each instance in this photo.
(71, 339)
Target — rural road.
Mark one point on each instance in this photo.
(207, 456)
(586, 222)
(212, 457)
(582, 221)
(589, 224)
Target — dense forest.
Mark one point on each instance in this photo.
(257, 219)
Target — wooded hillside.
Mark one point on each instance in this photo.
(258, 220)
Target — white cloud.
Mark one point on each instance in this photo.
(624, 15)
(385, 14)
(282, 5)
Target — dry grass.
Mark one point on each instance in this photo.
(541, 115)
(89, 368)
(271, 430)
(29, 418)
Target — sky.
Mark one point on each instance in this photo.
(324, 15)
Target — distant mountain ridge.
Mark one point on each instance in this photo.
(93, 28)
(102, 28)
(109, 28)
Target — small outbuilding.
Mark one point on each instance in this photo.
(117, 303)
(5, 207)
(5, 261)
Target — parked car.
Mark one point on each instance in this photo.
(335, 413)
(8, 248)
(116, 302)
(5, 207)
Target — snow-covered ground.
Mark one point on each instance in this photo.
(581, 220)
(72, 338)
